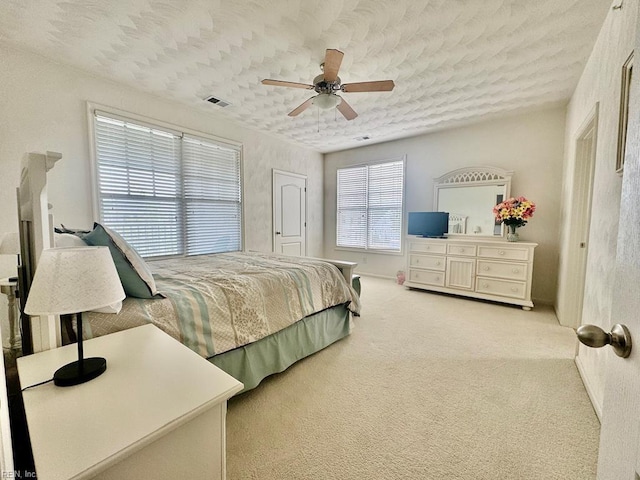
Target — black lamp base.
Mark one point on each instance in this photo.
(80, 371)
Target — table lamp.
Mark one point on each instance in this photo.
(71, 281)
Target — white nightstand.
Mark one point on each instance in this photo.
(157, 412)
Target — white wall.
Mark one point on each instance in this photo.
(43, 107)
(600, 82)
(531, 145)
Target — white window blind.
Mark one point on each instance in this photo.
(370, 205)
(212, 196)
(165, 193)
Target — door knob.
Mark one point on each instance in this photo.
(619, 338)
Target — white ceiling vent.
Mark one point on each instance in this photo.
(217, 101)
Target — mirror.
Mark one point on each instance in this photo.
(469, 195)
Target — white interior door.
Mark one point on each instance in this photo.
(620, 434)
(581, 215)
(289, 213)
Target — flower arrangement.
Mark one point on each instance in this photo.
(514, 211)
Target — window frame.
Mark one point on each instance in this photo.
(399, 252)
(95, 109)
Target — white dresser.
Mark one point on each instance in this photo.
(488, 269)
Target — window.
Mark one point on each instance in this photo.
(370, 205)
(165, 192)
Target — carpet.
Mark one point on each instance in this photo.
(427, 386)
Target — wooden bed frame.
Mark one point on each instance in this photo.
(36, 234)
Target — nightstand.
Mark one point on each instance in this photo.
(159, 411)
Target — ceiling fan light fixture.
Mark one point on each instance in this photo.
(326, 101)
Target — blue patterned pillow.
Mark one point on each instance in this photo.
(137, 280)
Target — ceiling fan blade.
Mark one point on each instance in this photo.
(379, 86)
(332, 61)
(301, 108)
(280, 83)
(345, 109)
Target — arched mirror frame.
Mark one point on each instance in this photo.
(470, 177)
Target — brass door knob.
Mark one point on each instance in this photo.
(619, 338)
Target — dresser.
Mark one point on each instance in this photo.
(488, 269)
(157, 412)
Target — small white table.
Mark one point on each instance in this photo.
(8, 287)
(158, 412)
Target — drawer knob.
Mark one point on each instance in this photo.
(485, 285)
(516, 270)
(461, 249)
(417, 260)
(427, 247)
(437, 264)
(514, 289)
(486, 269)
(501, 252)
(437, 279)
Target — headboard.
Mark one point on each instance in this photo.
(457, 223)
(36, 235)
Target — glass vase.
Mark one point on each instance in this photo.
(512, 234)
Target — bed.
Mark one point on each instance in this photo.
(251, 314)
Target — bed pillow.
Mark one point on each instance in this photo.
(74, 231)
(67, 240)
(134, 273)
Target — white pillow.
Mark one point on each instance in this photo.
(113, 308)
(67, 240)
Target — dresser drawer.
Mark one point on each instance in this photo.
(507, 253)
(462, 250)
(427, 261)
(511, 271)
(437, 248)
(427, 277)
(503, 288)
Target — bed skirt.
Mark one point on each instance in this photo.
(252, 363)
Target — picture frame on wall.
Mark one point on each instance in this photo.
(627, 70)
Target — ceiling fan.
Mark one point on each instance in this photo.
(328, 83)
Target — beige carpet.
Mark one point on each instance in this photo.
(427, 386)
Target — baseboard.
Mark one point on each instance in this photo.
(545, 302)
(589, 388)
(365, 274)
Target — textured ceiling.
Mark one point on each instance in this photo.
(453, 61)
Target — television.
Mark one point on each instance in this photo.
(429, 224)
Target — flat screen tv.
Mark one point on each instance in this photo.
(429, 224)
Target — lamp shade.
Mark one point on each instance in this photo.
(325, 101)
(73, 280)
(10, 244)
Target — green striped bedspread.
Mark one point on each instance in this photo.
(215, 303)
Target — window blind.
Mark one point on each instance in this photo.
(212, 197)
(370, 205)
(165, 193)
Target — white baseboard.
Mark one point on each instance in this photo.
(386, 277)
(588, 386)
